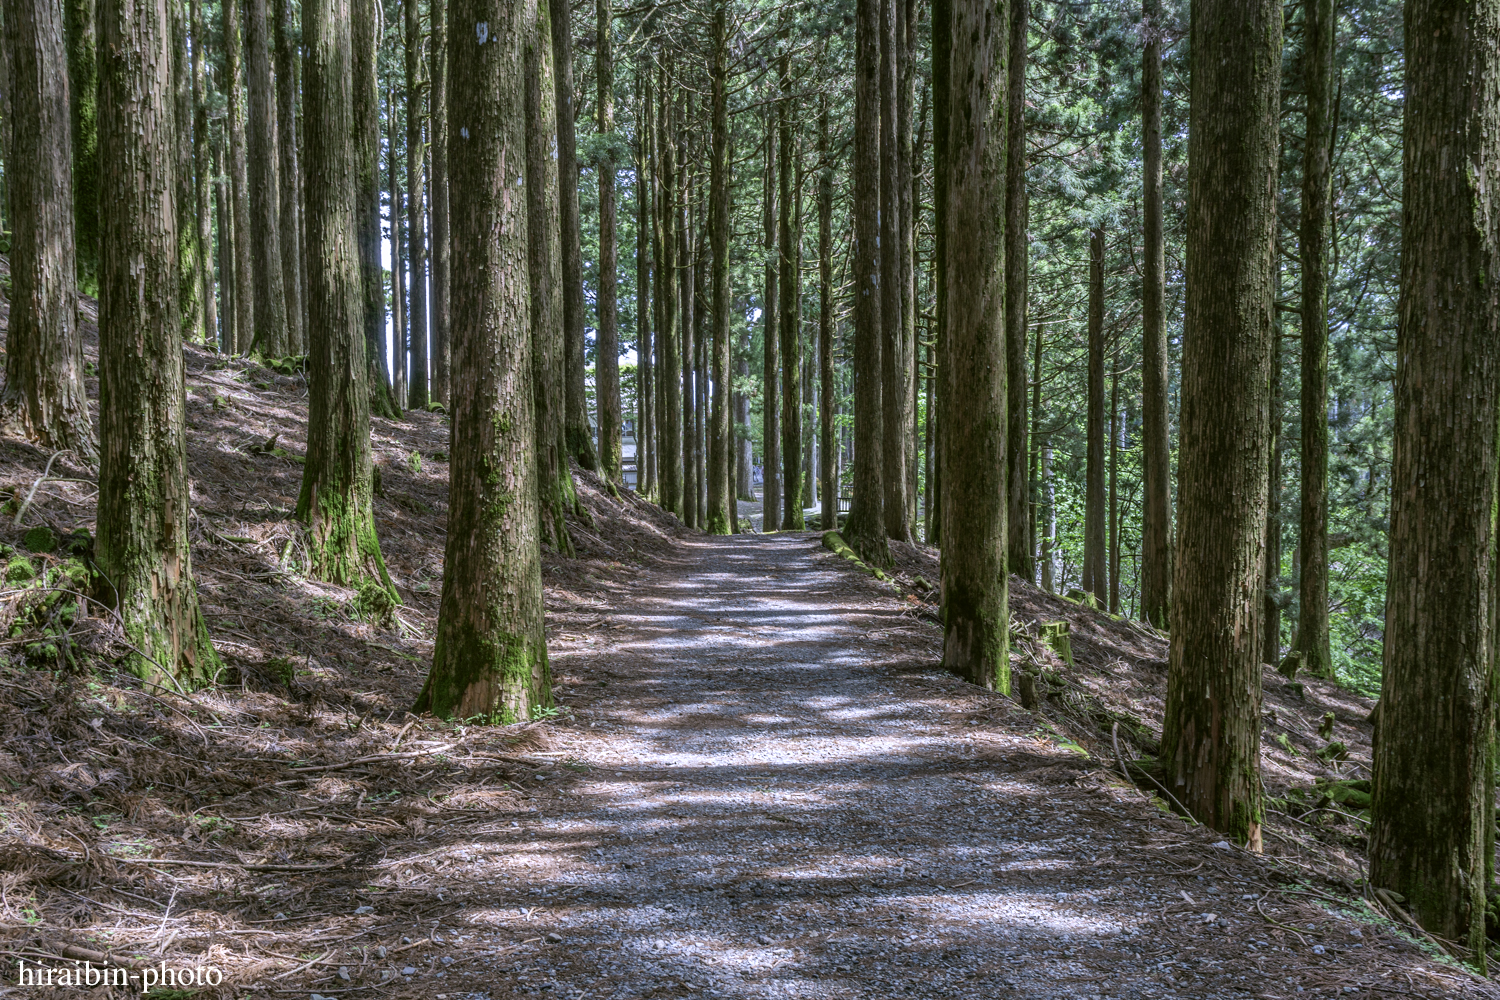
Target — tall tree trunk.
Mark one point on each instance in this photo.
(438, 207)
(770, 409)
(203, 174)
(83, 88)
(1016, 268)
(144, 498)
(685, 285)
(338, 497)
(1431, 837)
(399, 333)
(865, 531)
(266, 232)
(554, 477)
(1271, 638)
(976, 615)
(190, 279)
(491, 656)
(224, 215)
(827, 449)
(1095, 573)
(721, 495)
(580, 440)
(607, 346)
(1115, 428)
(1317, 75)
(44, 399)
(1036, 433)
(893, 378)
(906, 71)
(367, 204)
(292, 222)
(1156, 454)
(418, 391)
(244, 250)
(1049, 539)
(669, 375)
(645, 450)
(1211, 737)
(942, 25)
(790, 307)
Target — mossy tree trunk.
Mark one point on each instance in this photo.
(1211, 737)
(266, 231)
(865, 528)
(976, 616)
(224, 216)
(645, 433)
(721, 499)
(1018, 484)
(144, 500)
(367, 204)
(491, 656)
(337, 499)
(190, 279)
(1431, 837)
(554, 482)
(290, 176)
(1319, 28)
(790, 309)
(607, 350)
(44, 399)
(1156, 454)
(83, 93)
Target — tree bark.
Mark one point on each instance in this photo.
(337, 497)
(399, 332)
(1019, 558)
(437, 208)
(203, 173)
(942, 25)
(83, 92)
(144, 499)
(607, 347)
(244, 251)
(865, 530)
(1115, 427)
(1043, 555)
(907, 204)
(580, 439)
(266, 232)
(790, 307)
(224, 215)
(1156, 454)
(367, 204)
(669, 353)
(44, 399)
(190, 279)
(1211, 738)
(418, 390)
(292, 222)
(976, 617)
(491, 656)
(1430, 837)
(1095, 571)
(554, 477)
(1317, 75)
(744, 444)
(893, 368)
(827, 452)
(1271, 639)
(686, 283)
(645, 450)
(770, 409)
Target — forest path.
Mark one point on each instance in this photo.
(771, 790)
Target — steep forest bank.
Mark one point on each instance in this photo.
(295, 825)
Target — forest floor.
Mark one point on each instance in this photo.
(757, 781)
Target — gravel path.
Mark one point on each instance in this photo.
(770, 790)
